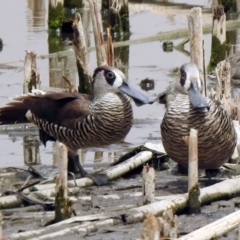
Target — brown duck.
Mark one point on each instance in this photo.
(80, 120)
(216, 133)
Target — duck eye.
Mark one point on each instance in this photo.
(110, 75)
(183, 74)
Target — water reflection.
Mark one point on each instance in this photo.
(138, 61)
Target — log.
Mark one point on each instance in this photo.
(82, 230)
(194, 204)
(60, 228)
(215, 229)
(226, 189)
(112, 173)
(148, 185)
(196, 42)
(12, 201)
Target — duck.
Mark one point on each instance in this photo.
(80, 120)
(190, 109)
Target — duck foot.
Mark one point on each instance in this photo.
(75, 167)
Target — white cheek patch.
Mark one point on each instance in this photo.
(117, 82)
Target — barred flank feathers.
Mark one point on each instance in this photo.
(216, 133)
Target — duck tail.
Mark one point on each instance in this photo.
(13, 112)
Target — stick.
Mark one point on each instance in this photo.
(100, 48)
(148, 185)
(193, 186)
(62, 207)
(110, 49)
(196, 42)
(80, 48)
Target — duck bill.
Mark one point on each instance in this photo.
(139, 98)
(196, 98)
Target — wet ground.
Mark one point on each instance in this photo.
(23, 26)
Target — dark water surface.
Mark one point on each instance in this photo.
(23, 26)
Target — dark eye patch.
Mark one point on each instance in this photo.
(110, 77)
(183, 77)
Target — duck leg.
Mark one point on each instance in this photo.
(75, 166)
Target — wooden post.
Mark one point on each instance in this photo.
(97, 31)
(79, 45)
(62, 206)
(31, 76)
(223, 86)
(31, 80)
(218, 51)
(110, 50)
(196, 42)
(193, 186)
(148, 185)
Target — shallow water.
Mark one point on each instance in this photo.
(23, 26)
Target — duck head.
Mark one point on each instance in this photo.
(108, 79)
(191, 85)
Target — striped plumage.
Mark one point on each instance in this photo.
(80, 120)
(216, 133)
(108, 121)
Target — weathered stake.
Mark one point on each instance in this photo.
(218, 51)
(223, 86)
(62, 206)
(80, 47)
(31, 77)
(194, 204)
(100, 48)
(148, 185)
(196, 42)
(110, 49)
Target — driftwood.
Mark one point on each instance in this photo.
(196, 42)
(225, 189)
(215, 229)
(41, 191)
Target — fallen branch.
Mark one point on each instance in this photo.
(215, 229)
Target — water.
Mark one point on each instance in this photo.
(23, 26)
